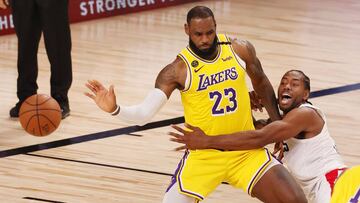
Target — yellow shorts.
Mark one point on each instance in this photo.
(201, 171)
(347, 187)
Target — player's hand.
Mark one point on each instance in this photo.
(194, 139)
(104, 98)
(279, 148)
(255, 101)
(4, 4)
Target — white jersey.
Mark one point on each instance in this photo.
(310, 159)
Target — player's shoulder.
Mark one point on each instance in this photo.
(240, 43)
(303, 114)
(302, 111)
(174, 71)
(178, 62)
(310, 110)
(243, 48)
(178, 65)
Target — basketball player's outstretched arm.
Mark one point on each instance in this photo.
(262, 86)
(167, 81)
(296, 121)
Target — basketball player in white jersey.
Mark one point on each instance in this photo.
(310, 153)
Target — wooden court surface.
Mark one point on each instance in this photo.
(319, 37)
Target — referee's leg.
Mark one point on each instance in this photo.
(28, 30)
(57, 37)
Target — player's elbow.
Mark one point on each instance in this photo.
(143, 117)
(142, 113)
(138, 114)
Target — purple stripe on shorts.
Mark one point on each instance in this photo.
(178, 175)
(173, 178)
(257, 173)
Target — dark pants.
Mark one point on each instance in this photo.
(50, 17)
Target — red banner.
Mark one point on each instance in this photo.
(81, 10)
(6, 24)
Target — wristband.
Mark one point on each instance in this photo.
(116, 112)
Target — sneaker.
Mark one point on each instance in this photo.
(64, 105)
(14, 111)
(65, 111)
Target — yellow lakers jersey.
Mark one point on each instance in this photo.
(215, 97)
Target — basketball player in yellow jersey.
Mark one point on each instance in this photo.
(347, 187)
(210, 73)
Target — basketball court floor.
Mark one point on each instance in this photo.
(94, 157)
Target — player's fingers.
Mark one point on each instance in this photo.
(91, 82)
(98, 85)
(281, 155)
(91, 87)
(180, 148)
(261, 108)
(252, 105)
(193, 128)
(177, 140)
(278, 147)
(111, 90)
(255, 101)
(275, 151)
(178, 129)
(178, 136)
(258, 106)
(89, 95)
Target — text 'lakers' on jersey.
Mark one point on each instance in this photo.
(215, 97)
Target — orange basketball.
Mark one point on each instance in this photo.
(40, 115)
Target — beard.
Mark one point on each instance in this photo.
(204, 53)
(286, 109)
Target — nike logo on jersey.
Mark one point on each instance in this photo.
(197, 70)
(209, 80)
(227, 58)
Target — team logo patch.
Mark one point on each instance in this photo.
(194, 63)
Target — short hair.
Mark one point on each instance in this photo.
(199, 12)
(306, 78)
